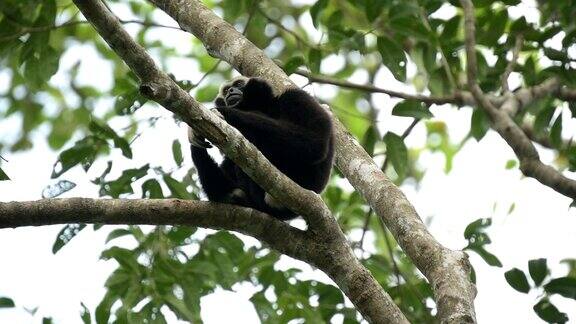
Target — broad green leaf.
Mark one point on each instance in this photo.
(152, 189)
(393, 57)
(6, 302)
(3, 175)
(123, 185)
(369, 139)
(40, 68)
(556, 132)
(373, 8)
(316, 10)
(488, 257)
(517, 280)
(538, 270)
(119, 232)
(177, 188)
(66, 234)
(314, 60)
(177, 152)
(57, 189)
(565, 286)
(83, 152)
(511, 164)
(207, 93)
(477, 226)
(85, 314)
(451, 28)
(412, 108)
(411, 27)
(549, 313)
(102, 130)
(480, 124)
(544, 117)
(293, 64)
(397, 152)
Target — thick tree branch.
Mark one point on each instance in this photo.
(530, 163)
(330, 250)
(277, 234)
(446, 270)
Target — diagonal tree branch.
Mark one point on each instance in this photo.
(530, 163)
(332, 253)
(446, 270)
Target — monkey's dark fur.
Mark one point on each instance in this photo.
(292, 130)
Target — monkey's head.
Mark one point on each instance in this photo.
(231, 93)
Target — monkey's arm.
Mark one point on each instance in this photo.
(279, 138)
(216, 184)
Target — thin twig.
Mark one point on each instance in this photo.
(279, 24)
(454, 99)
(28, 30)
(443, 59)
(512, 63)
(404, 135)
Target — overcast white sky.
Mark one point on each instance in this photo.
(541, 224)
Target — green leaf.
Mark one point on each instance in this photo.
(488, 257)
(119, 232)
(293, 64)
(39, 69)
(123, 185)
(565, 286)
(511, 164)
(549, 313)
(373, 9)
(66, 234)
(480, 124)
(411, 27)
(314, 60)
(177, 152)
(412, 108)
(3, 175)
(544, 117)
(369, 139)
(85, 314)
(6, 302)
(177, 188)
(517, 280)
(207, 93)
(495, 30)
(151, 189)
(57, 189)
(84, 151)
(538, 270)
(556, 132)
(104, 131)
(393, 57)
(316, 10)
(477, 226)
(397, 152)
(451, 28)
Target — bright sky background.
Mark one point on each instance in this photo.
(541, 224)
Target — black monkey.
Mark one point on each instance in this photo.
(292, 130)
